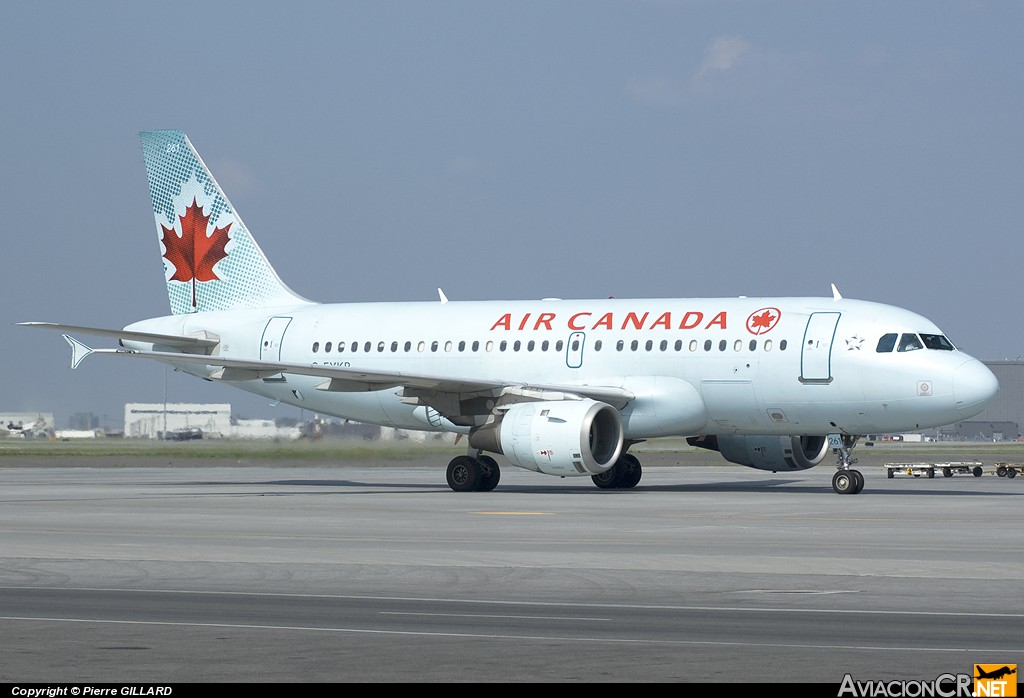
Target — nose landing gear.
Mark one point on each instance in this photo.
(846, 480)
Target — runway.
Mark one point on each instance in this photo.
(378, 572)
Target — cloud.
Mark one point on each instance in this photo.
(725, 53)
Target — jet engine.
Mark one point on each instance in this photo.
(767, 452)
(561, 437)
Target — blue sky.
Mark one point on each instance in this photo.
(378, 150)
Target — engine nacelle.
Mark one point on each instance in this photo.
(563, 437)
(768, 452)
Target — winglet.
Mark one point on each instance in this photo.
(444, 298)
(835, 293)
(78, 350)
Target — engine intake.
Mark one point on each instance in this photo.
(767, 452)
(563, 437)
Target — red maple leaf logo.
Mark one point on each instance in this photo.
(763, 320)
(194, 253)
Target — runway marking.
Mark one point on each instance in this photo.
(485, 615)
(514, 513)
(540, 604)
(796, 591)
(531, 638)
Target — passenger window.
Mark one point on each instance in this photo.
(433, 345)
(341, 347)
(910, 342)
(544, 345)
(649, 345)
(355, 347)
(707, 345)
(421, 346)
(408, 346)
(515, 347)
(664, 345)
(738, 344)
(597, 345)
(530, 345)
(693, 345)
(394, 347)
(782, 345)
(722, 345)
(316, 347)
(503, 346)
(753, 345)
(489, 346)
(634, 344)
(366, 346)
(327, 348)
(380, 346)
(886, 343)
(619, 345)
(558, 345)
(767, 345)
(476, 346)
(448, 345)
(462, 346)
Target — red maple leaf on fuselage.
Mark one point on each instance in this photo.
(194, 253)
(762, 320)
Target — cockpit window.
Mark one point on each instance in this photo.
(886, 343)
(937, 341)
(910, 342)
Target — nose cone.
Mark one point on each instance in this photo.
(974, 388)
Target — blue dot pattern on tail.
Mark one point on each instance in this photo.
(177, 176)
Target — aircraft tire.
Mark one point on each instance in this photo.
(464, 474)
(490, 474)
(843, 482)
(1011, 473)
(858, 484)
(947, 472)
(977, 471)
(609, 479)
(632, 471)
(1001, 471)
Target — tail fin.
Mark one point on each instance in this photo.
(211, 262)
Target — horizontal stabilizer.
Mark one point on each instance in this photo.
(169, 340)
(78, 350)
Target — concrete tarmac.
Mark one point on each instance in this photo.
(377, 572)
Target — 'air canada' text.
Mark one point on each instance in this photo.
(693, 319)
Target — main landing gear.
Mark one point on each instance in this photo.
(473, 473)
(846, 480)
(624, 474)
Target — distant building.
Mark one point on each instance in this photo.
(188, 421)
(975, 430)
(28, 425)
(83, 421)
(1009, 404)
(157, 420)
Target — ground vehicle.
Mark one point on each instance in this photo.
(929, 469)
(1009, 470)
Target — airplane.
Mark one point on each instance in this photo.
(996, 674)
(559, 387)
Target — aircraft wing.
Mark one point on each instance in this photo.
(449, 395)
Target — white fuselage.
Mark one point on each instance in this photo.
(695, 366)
